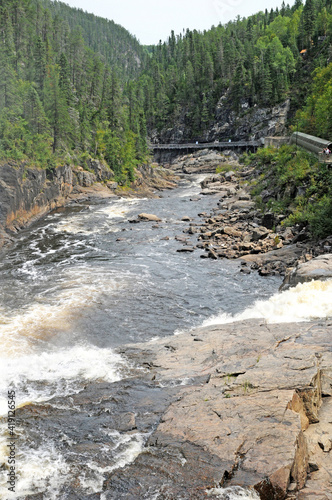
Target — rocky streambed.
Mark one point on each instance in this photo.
(233, 409)
(236, 229)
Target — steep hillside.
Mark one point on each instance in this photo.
(113, 42)
(60, 102)
(212, 85)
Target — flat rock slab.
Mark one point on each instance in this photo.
(222, 406)
(319, 268)
(264, 389)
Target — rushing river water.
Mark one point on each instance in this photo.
(84, 281)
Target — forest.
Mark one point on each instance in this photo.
(74, 85)
(60, 101)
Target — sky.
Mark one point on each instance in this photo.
(153, 20)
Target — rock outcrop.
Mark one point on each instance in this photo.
(151, 178)
(319, 268)
(249, 422)
(250, 122)
(27, 193)
(203, 161)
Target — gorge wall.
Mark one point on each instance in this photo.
(27, 193)
(249, 123)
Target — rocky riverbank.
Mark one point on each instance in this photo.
(253, 411)
(236, 229)
(27, 193)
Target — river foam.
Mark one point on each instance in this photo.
(233, 493)
(41, 469)
(305, 302)
(83, 224)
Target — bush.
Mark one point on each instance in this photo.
(320, 219)
(285, 170)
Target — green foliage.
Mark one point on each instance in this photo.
(58, 99)
(73, 83)
(302, 187)
(316, 117)
(224, 167)
(320, 217)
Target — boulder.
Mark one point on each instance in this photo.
(319, 268)
(268, 220)
(242, 204)
(185, 249)
(149, 217)
(259, 233)
(209, 191)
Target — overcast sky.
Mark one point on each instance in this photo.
(153, 20)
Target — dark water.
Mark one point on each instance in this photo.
(71, 292)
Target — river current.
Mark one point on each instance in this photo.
(84, 281)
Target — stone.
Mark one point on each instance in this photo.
(325, 443)
(241, 205)
(229, 175)
(149, 217)
(185, 249)
(259, 233)
(112, 185)
(232, 232)
(250, 418)
(210, 191)
(319, 268)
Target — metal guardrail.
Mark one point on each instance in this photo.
(204, 145)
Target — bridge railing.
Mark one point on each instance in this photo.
(207, 145)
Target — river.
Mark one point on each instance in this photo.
(77, 285)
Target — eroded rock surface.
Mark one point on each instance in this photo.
(264, 392)
(244, 404)
(203, 161)
(319, 268)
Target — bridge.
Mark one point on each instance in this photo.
(246, 145)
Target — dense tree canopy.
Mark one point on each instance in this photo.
(73, 84)
(61, 100)
(253, 60)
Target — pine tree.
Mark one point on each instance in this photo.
(56, 107)
(40, 64)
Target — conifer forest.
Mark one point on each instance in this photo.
(75, 86)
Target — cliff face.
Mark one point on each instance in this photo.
(248, 123)
(27, 193)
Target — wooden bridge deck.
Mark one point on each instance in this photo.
(208, 145)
